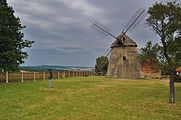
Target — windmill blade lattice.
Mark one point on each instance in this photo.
(102, 61)
(137, 17)
(101, 28)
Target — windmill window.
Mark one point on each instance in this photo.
(119, 43)
(124, 57)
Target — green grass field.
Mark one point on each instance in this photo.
(89, 98)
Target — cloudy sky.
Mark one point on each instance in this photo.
(62, 33)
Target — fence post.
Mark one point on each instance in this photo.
(58, 75)
(6, 76)
(69, 73)
(34, 76)
(73, 73)
(22, 77)
(43, 75)
(63, 76)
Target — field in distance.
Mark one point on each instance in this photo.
(94, 98)
(56, 68)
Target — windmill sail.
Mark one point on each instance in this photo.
(101, 28)
(136, 18)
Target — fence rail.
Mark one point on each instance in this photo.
(165, 76)
(6, 77)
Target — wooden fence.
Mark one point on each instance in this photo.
(165, 76)
(6, 77)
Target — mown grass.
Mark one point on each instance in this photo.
(89, 98)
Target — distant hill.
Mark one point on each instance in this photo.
(58, 68)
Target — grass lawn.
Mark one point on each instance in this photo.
(89, 98)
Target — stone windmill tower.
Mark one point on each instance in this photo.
(123, 62)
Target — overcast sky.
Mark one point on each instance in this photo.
(62, 33)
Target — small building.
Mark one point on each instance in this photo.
(150, 70)
(178, 71)
(178, 74)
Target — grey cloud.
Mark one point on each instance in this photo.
(62, 33)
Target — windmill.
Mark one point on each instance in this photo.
(123, 50)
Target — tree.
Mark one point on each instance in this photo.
(102, 63)
(165, 20)
(11, 39)
(152, 52)
(155, 53)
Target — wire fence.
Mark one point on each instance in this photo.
(6, 77)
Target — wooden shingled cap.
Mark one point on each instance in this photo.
(126, 40)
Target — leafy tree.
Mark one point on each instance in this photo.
(11, 39)
(155, 53)
(102, 63)
(165, 20)
(152, 52)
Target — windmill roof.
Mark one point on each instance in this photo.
(127, 41)
(178, 69)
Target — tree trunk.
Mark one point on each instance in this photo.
(172, 73)
(172, 88)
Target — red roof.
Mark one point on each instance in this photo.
(178, 69)
(147, 62)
